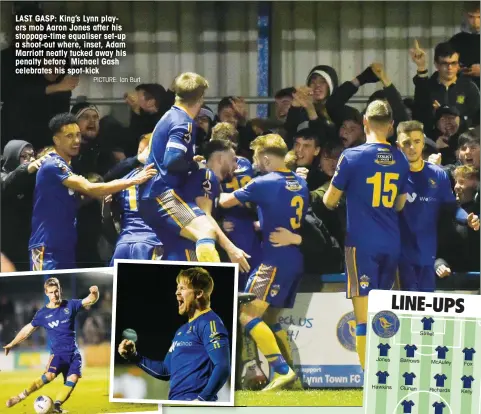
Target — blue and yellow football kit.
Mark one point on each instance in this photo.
(243, 234)
(198, 361)
(282, 198)
(136, 239)
(371, 175)
(54, 235)
(429, 189)
(202, 183)
(162, 203)
(59, 323)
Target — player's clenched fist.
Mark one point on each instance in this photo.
(127, 348)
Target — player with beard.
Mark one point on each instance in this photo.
(197, 364)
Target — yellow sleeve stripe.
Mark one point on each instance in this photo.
(189, 127)
(216, 345)
(213, 328)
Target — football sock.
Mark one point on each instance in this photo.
(266, 341)
(34, 386)
(206, 252)
(283, 343)
(361, 343)
(249, 349)
(65, 392)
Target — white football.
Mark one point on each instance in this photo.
(43, 404)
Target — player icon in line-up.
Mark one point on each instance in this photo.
(407, 406)
(467, 381)
(409, 378)
(427, 323)
(384, 349)
(440, 378)
(382, 377)
(439, 407)
(468, 354)
(410, 349)
(442, 350)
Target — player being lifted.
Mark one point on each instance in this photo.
(198, 362)
(282, 198)
(162, 203)
(54, 235)
(136, 240)
(374, 177)
(428, 194)
(204, 188)
(58, 319)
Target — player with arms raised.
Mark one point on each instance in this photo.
(162, 203)
(429, 196)
(374, 177)
(54, 235)
(198, 362)
(282, 198)
(58, 318)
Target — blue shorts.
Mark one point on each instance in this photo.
(42, 258)
(367, 271)
(137, 250)
(67, 364)
(180, 249)
(275, 285)
(168, 212)
(417, 278)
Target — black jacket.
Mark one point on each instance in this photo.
(467, 45)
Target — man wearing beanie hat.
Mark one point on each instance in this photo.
(309, 105)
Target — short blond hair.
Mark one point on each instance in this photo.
(199, 279)
(291, 160)
(52, 281)
(272, 144)
(379, 112)
(189, 88)
(225, 131)
(466, 171)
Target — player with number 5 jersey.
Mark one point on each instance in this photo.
(282, 198)
(374, 178)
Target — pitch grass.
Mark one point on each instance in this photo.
(290, 398)
(91, 395)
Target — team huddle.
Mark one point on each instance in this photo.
(172, 207)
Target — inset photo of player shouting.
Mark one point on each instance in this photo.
(173, 338)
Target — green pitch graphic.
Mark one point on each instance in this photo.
(427, 367)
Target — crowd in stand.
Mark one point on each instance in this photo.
(315, 120)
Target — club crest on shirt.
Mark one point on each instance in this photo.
(66, 311)
(384, 159)
(62, 166)
(207, 186)
(432, 183)
(364, 282)
(293, 185)
(460, 99)
(275, 290)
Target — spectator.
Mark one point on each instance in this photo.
(467, 153)
(444, 88)
(283, 102)
(446, 133)
(18, 183)
(306, 150)
(459, 245)
(204, 121)
(466, 42)
(309, 106)
(96, 149)
(149, 102)
(351, 131)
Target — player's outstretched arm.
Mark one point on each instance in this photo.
(156, 369)
(228, 200)
(217, 346)
(235, 254)
(82, 185)
(92, 298)
(24, 333)
(332, 197)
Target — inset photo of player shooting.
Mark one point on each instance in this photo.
(55, 329)
(173, 333)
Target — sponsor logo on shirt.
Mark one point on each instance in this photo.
(48, 316)
(384, 159)
(177, 344)
(53, 324)
(411, 197)
(293, 185)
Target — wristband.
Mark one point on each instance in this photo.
(422, 72)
